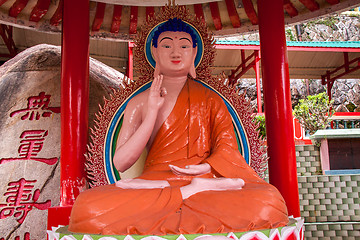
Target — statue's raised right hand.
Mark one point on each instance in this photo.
(157, 94)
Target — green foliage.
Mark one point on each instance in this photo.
(314, 112)
(351, 107)
(260, 119)
(290, 35)
(329, 21)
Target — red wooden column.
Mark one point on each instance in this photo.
(257, 77)
(74, 98)
(130, 70)
(277, 101)
(74, 107)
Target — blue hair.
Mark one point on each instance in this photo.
(174, 25)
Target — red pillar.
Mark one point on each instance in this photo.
(257, 77)
(130, 70)
(277, 101)
(74, 98)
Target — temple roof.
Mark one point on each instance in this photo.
(114, 22)
(120, 19)
(308, 60)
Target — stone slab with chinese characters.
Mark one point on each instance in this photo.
(30, 136)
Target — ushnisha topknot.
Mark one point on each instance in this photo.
(174, 25)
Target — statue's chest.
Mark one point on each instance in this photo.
(163, 114)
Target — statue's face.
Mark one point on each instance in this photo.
(174, 54)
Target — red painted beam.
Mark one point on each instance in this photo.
(290, 9)
(133, 19)
(199, 12)
(57, 17)
(312, 5)
(39, 11)
(333, 2)
(150, 11)
(99, 16)
(243, 58)
(243, 66)
(17, 7)
(346, 61)
(6, 34)
(215, 14)
(346, 72)
(233, 14)
(116, 20)
(243, 62)
(74, 99)
(245, 69)
(250, 11)
(277, 102)
(345, 67)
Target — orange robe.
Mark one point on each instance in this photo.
(199, 130)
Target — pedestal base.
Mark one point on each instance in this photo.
(294, 231)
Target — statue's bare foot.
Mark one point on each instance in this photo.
(211, 184)
(141, 184)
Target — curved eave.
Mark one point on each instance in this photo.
(346, 46)
(120, 22)
(306, 59)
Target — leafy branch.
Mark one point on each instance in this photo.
(314, 112)
(260, 121)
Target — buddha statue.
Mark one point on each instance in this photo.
(195, 179)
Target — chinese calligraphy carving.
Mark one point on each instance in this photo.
(30, 145)
(26, 237)
(20, 200)
(37, 106)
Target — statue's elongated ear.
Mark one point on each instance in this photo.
(192, 71)
(157, 66)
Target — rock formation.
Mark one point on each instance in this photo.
(30, 136)
(345, 92)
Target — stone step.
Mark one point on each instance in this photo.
(332, 230)
(308, 160)
(330, 204)
(329, 198)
